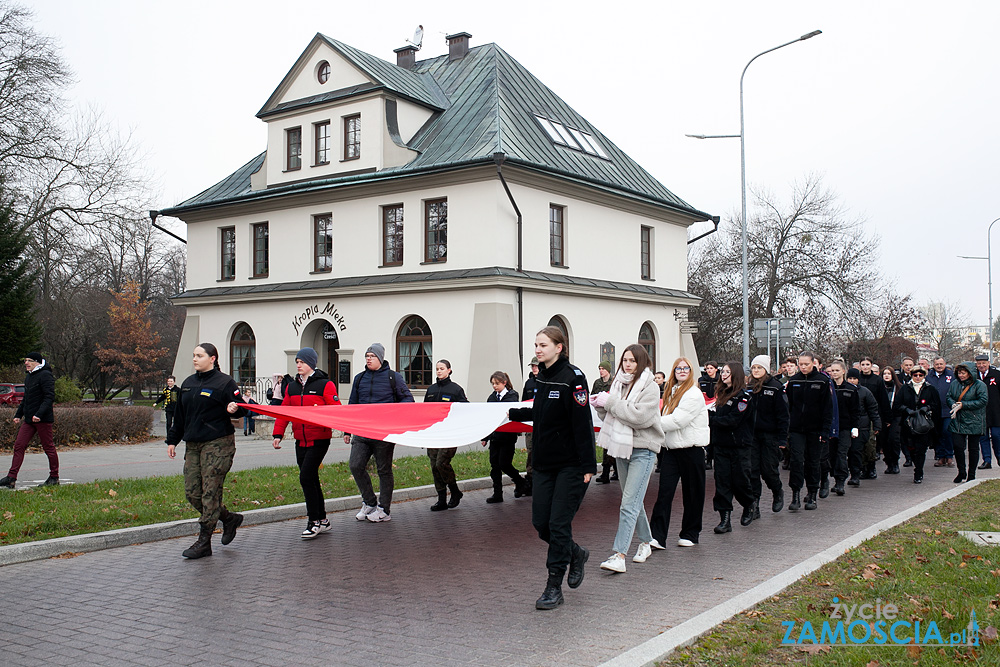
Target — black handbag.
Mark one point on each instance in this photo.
(920, 423)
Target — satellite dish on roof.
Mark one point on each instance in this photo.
(418, 37)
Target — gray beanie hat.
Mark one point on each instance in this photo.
(378, 350)
(308, 356)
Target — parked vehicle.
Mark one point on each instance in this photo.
(11, 394)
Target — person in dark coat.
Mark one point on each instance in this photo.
(609, 467)
(528, 394)
(707, 381)
(940, 377)
(810, 420)
(731, 427)
(869, 426)
(770, 431)
(35, 415)
(444, 390)
(169, 397)
(565, 460)
(991, 378)
(889, 442)
(502, 444)
(967, 401)
(919, 396)
(848, 445)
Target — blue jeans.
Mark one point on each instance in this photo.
(945, 450)
(984, 444)
(633, 475)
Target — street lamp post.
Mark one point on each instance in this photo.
(989, 279)
(743, 192)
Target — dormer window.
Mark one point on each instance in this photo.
(293, 146)
(352, 137)
(323, 72)
(563, 135)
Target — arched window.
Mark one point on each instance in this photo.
(243, 354)
(648, 340)
(560, 323)
(413, 353)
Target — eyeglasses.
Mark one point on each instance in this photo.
(917, 373)
(682, 369)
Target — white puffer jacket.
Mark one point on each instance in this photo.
(687, 425)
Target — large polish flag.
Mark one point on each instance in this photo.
(429, 425)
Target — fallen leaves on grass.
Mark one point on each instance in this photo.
(112, 493)
(989, 634)
(8, 515)
(812, 649)
(913, 651)
(69, 554)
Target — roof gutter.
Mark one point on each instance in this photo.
(499, 158)
(715, 223)
(153, 215)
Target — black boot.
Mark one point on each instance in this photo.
(442, 503)
(497, 496)
(202, 546)
(552, 597)
(456, 495)
(230, 522)
(838, 488)
(747, 517)
(779, 500)
(724, 524)
(824, 487)
(810, 501)
(518, 487)
(756, 509)
(796, 503)
(576, 563)
(527, 485)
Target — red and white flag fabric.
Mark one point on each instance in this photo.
(429, 425)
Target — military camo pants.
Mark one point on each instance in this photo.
(205, 468)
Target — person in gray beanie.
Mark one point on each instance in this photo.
(377, 383)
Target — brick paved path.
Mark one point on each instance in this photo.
(444, 588)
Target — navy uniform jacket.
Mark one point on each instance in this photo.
(771, 410)
(810, 403)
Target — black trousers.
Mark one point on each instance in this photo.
(855, 454)
(765, 457)
(835, 461)
(888, 442)
(608, 463)
(918, 445)
(169, 415)
(804, 465)
(309, 459)
(687, 466)
(556, 498)
(961, 442)
(732, 478)
(502, 461)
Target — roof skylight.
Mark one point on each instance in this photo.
(571, 137)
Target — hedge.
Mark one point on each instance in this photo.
(79, 425)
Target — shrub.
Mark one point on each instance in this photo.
(79, 425)
(67, 390)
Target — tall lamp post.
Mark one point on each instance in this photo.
(743, 191)
(989, 278)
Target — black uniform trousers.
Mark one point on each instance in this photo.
(732, 478)
(686, 465)
(855, 454)
(888, 439)
(502, 461)
(169, 415)
(835, 461)
(765, 457)
(804, 464)
(556, 497)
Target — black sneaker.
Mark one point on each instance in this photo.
(986, 465)
(51, 481)
(7, 482)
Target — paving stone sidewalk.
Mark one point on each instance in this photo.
(443, 588)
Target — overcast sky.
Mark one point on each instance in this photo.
(895, 104)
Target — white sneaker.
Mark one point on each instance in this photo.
(314, 528)
(685, 543)
(642, 553)
(378, 515)
(365, 511)
(656, 545)
(616, 563)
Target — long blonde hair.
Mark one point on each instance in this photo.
(671, 398)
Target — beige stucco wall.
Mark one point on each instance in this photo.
(305, 84)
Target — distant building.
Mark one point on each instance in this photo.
(447, 207)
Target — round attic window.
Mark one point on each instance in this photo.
(323, 72)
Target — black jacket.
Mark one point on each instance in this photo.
(771, 410)
(495, 436)
(445, 391)
(731, 424)
(873, 383)
(848, 407)
(169, 398)
(529, 388)
(869, 417)
(562, 427)
(886, 410)
(810, 403)
(707, 384)
(992, 381)
(39, 395)
(201, 413)
(908, 402)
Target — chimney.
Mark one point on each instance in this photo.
(406, 56)
(458, 45)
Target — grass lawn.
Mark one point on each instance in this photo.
(42, 513)
(923, 567)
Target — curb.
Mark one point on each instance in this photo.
(123, 537)
(660, 647)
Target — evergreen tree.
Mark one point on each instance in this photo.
(19, 329)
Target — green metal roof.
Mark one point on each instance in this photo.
(485, 103)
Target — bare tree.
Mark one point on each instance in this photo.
(945, 324)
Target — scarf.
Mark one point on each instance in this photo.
(616, 437)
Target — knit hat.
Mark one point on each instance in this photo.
(34, 356)
(378, 350)
(308, 356)
(762, 360)
(606, 365)
(854, 373)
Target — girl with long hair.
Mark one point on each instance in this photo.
(888, 437)
(632, 434)
(731, 425)
(684, 421)
(444, 390)
(502, 444)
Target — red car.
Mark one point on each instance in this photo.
(11, 394)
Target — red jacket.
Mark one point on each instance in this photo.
(318, 390)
